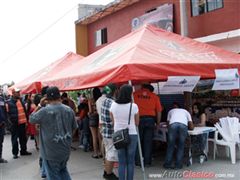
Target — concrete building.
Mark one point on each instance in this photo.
(212, 21)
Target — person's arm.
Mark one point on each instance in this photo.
(190, 125)
(136, 118)
(159, 116)
(111, 117)
(74, 124)
(37, 115)
(203, 119)
(168, 118)
(158, 110)
(90, 110)
(190, 122)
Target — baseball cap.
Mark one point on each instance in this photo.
(53, 93)
(110, 88)
(15, 89)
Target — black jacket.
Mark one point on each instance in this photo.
(13, 111)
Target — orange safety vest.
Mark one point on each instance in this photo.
(21, 114)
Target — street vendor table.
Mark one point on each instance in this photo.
(198, 131)
(161, 135)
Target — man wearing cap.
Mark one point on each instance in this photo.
(18, 117)
(57, 123)
(150, 113)
(107, 131)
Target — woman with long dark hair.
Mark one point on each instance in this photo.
(94, 123)
(199, 120)
(119, 113)
(199, 116)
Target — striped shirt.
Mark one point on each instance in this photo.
(107, 124)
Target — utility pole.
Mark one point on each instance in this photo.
(184, 32)
(183, 18)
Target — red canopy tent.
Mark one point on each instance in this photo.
(147, 54)
(34, 83)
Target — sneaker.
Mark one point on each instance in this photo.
(201, 159)
(95, 156)
(43, 176)
(81, 146)
(104, 174)
(25, 153)
(3, 160)
(15, 156)
(166, 166)
(111, 176)
(178, 167)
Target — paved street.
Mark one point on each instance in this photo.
(82, 166)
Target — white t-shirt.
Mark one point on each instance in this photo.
(121, 114)
(179, 115)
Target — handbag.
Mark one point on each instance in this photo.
(121, 138)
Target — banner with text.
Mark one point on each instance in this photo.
(180, 84)
(161, 17)
(226, 79)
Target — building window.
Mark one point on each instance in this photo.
(101, 37)
(204, 6)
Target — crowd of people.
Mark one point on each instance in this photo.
(52, 119)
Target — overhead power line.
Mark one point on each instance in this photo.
(37, 36)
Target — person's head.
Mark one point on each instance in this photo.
(44, 90)
(16, 93)
(26, 97)
(176, 105)
(110, 89)
(53, 93)
(125, 94)
(65, 101)
(197, 109)
(96, 93)
(64, 95)
(148, 86)
(37, 99)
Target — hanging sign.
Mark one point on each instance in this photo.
(180, 84)
(226, 79)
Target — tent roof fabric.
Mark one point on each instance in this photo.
(33, 83)
(146, 54)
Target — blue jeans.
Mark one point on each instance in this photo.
(146, 133)
(42, 167)
(177, 134)
(56, 170)
(126, 160)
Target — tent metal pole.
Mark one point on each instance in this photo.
(139, 142)
(158, 87)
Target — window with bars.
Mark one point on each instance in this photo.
(204, 6)
(101, 37)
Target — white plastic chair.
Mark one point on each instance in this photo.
(230, 133)
(213, 141)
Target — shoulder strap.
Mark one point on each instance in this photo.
(129, 117)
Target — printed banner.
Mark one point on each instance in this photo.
(180, 84)
(161, 17)
(226, 79)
